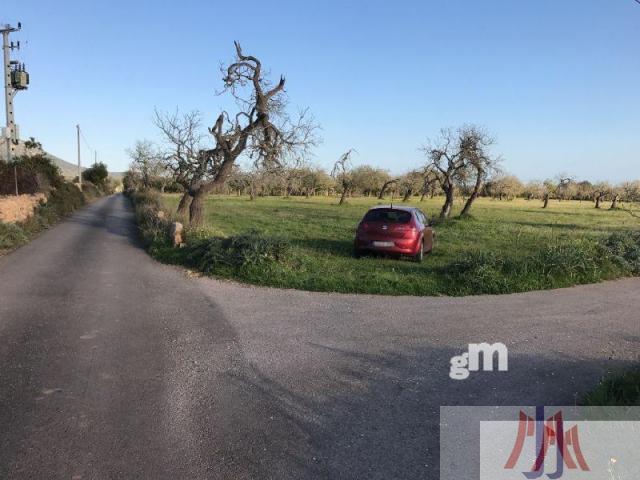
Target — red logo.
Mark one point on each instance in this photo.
(550, 432)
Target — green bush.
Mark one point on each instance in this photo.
(617, 390)
(36, 173)
(11, 236)
(248, 249)
(96, 174)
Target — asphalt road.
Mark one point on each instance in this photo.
(114, 366)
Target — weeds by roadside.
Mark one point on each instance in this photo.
(62, 201)
(620, 390)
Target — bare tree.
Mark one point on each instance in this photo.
(446, 156)
(342, 174)
(615, 196)
(261, 129)
(474, 145)
(600, 192)
(147, 162)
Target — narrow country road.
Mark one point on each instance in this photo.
(113, 366)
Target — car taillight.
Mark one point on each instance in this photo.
(363, 226)
(408, 230)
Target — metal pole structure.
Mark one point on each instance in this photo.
(8, 99)
(79, 167)
(10, 89)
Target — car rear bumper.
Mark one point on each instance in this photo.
(400, 246)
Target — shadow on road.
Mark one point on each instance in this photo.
(377, 416)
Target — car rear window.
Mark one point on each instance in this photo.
(387, 215)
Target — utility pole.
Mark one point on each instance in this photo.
(15, 78)
(79, 167)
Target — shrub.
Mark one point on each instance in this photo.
(617, 390)
(11, 235)
(153, 227)
(248, 249)
(96, 174)
(36, 173)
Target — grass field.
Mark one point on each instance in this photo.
(486, 247)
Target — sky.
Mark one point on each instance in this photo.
(555, 81)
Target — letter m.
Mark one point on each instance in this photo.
(488, 352)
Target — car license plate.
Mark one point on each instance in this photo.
(382, 244)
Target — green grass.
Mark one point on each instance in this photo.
(506, 246)
(618, 390)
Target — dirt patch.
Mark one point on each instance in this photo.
(17, 209)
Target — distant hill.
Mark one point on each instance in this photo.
(68, 170)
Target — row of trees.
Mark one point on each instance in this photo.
(457, 163)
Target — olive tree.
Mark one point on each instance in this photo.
(260, 129)
(342, 173)
(457, 155)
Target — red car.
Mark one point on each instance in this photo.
(394, 230)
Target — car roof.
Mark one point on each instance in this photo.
(395, 207)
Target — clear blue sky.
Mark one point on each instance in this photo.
(557, 81)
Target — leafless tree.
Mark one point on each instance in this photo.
(341, 172)
(600, 192)
(147, 162)
(261, 130)
(475, 143)
(182, 154)
(451, 154)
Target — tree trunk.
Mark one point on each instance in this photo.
(448, 202)
(598, 200)
(474, 195)
(196, 209)
(384, 188)
(407, 195)
(183, 206)
(614, 202)
(546, 200)
(343, 196)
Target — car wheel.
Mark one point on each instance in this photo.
(418, 257)
(357, 253)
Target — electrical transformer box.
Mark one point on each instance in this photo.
(19, 79)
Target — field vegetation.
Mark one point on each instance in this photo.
(306, 243)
